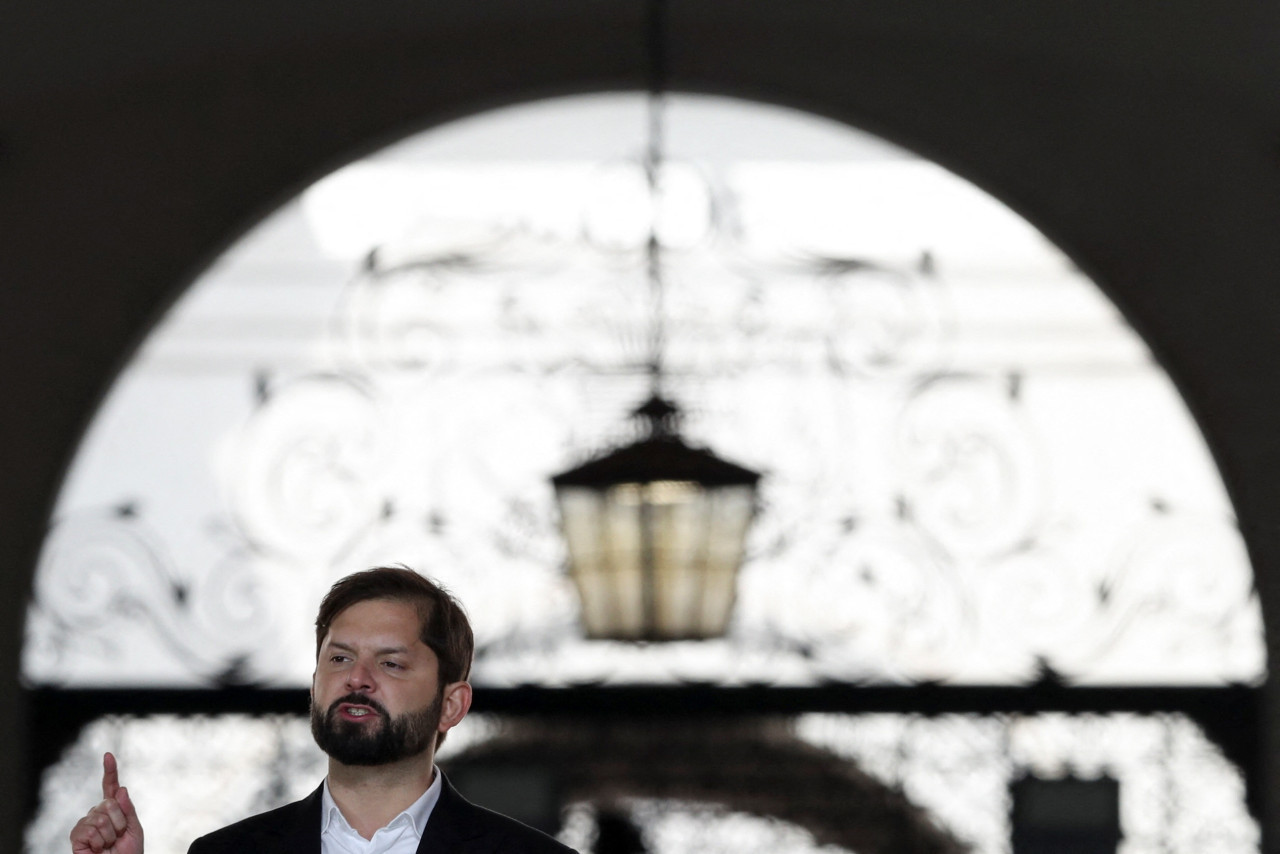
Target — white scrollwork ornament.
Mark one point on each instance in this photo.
(884, 322)
(97, 565)
(1172, 610)
(107, 594)
(1032, 606)
(970, 466)
(305, 472)
(390, 322)
(881, 602)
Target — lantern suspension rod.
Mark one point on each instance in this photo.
(656, 47)
(656, 72)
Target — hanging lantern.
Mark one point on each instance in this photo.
(655, 532)
(656, 529)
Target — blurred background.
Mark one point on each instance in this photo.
(803, 494)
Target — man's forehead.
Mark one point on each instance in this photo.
(386, 617)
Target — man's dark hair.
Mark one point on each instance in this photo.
(443, 625)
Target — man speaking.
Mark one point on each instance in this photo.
(393, 653)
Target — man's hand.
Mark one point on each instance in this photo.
(111, 826)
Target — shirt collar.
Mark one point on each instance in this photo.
(417, 813)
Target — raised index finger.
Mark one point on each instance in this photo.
(110, 776)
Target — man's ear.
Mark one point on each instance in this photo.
(455, 702)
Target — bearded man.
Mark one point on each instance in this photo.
(393, 653)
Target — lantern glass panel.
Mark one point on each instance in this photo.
(657, 560)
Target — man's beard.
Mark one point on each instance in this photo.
(381, 743)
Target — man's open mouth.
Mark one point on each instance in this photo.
(353, 710)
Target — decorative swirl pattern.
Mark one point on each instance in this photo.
(1044, 603)
(96, 567)
(971, 473)
(388, 321)
(1163, 605)
(900, 609)
(911, 527)
(884, 322)
(306, 472)
(105, 583)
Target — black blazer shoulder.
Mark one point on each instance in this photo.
(291, 829)
(456, 825)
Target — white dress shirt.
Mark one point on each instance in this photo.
(401, 835)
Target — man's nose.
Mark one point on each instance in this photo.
(360, 676)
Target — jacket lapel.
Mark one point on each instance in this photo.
(454, 825)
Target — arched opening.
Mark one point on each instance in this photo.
(467, 358)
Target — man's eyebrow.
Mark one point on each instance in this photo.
(392, 650)
(385, 650)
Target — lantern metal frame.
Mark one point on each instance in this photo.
(656, 533)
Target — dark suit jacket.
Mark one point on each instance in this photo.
(456, 825)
